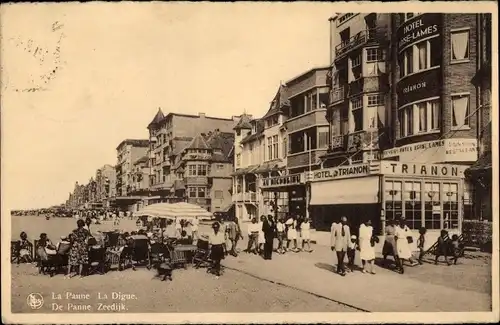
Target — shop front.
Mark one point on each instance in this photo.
(428, 195)
(284, 195)
(350, 191)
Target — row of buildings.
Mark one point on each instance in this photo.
(397, 125)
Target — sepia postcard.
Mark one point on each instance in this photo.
(249, 162)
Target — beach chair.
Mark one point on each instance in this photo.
(158, 253)
(14, 251)
(48, 263)
(139, 255)
(96, 260)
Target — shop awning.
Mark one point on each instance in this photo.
(227, 208)
(245, 170)
(481, 168)
(363, 190)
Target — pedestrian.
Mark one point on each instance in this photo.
(340, 238)
(24, 247)
(239, 233)
(280, 234)
(269, 230)
(261, 239)
(389, 247)
(366, 250)
(291, 233)
(403, 238)
(231, 230)
(305, 233)
(351, 252)
(421, 244)
(194, 227)
(253, 235)
(88, 222)
(455, 248)
(442, 247)
(217, 248)
(78, 253)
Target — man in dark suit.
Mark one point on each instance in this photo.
(269, 229)
(340, 237)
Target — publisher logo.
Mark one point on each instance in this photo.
(35, 300)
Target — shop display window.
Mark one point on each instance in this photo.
(450, 205)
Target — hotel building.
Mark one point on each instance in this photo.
(403, 116)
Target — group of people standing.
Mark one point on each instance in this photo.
(261, 235)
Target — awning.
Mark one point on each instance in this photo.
(268, 167)
(227, 208)
(481, 168)
(245, 170)
(363, 190)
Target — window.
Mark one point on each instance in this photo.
(450, 205)
(275, 147)
(406, 121)
(460, 45)
(342, 19)
(192, 170)
(434, 115)
(393, 200)
(269, 148)
(238, 160)
(192, 192)
(432, 205)
(311, 101)
(408, 57)
(422, 116)
(201, 192)
(202, 170)
(413, 204)
(376, 100)
(356, 103)
(422, 56)
(460, 111)
(323, 137)
(356, 61)
(218, 194)
(374, 55)
(358, 119)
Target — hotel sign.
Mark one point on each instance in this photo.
(279, 181)
(414, 30)
(464, 150)
(419, 86)
(340, 172)
(424, 170)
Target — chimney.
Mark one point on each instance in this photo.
(201, 115)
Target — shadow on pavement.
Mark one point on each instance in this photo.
(325, 266)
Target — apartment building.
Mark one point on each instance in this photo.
(128, 151)
(403, 120)
(169, 135)
(105, 179)
(140, 176)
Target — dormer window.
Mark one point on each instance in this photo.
(272, 121)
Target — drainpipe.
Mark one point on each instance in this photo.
(479, 110)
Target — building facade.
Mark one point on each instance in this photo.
(404, 116)
(169, 135)
(128, 151)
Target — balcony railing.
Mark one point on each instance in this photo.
(337, 95)
(357, 40)
(246, 197)
(337, 141)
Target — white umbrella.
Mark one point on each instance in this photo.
(170, 210)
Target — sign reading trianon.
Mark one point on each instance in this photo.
(341, 172)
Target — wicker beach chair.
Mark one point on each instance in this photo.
(139, 255)
(201, 256)
(96, 260)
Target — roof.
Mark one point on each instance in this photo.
(482, 167)
(134, 142)
(243, 123)
(223, 141)
(280, 100)
(179, 145)
(143, 159)
(259, 125)
(198, 143)
(197, 116)
(157, 119)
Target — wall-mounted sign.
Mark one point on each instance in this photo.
(416, 29)
(437, 151)
(294, 179)
(422, 85)
(340, 172)
(424, 170)
(197, 156)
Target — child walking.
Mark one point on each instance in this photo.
(352, 246)
(420, 244)
(442, 247)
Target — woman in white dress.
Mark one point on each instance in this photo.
(261, 239)
(367, 251)
(291, 233)
(404, 238)
(305, 231)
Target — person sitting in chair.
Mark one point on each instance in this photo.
(45, 243)
(24, 248)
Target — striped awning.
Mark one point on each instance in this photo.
(172, 210)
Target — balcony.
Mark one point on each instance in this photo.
(337, 95)
(358, 40)
(303, 159)
(250, 197)
(309, 119)
(337, 142)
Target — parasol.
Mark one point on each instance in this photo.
(171, 210)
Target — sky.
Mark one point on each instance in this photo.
(80, 78)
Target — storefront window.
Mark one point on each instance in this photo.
(432, 199)
(393, 204)
(413, 204)
(450, 205)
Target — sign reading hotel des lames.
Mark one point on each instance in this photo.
(287, 180)
(341, 172)
(463, 150)
(418, 28)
